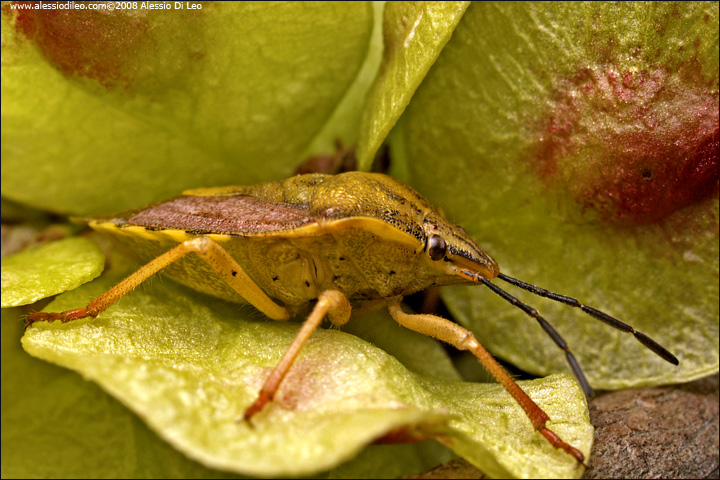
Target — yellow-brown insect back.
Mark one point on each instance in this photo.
(326, 242)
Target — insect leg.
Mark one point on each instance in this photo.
(595, 313)
(209, 251)
(332, 303)
(462, 339)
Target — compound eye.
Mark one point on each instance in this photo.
(437, 247)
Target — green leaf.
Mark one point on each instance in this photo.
(415, 34)
(53, 422)
(126, 111)
(419, 353)
(56, 424)
(579, 147)
(343, 125)
(50, 269)
(189, 366)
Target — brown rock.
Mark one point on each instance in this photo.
(667, 432)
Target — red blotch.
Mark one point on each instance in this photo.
(408, 434)
(632, 146)
(91, 43)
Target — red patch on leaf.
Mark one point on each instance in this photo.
(407, 434)
(633, 146)
(89, 43)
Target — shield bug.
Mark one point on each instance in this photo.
(327, 243)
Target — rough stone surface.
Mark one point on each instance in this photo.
(668, 432)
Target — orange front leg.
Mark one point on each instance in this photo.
(209, 251)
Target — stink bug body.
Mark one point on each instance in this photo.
(327, 243)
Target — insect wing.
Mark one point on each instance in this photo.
(234, 215)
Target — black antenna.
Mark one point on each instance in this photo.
(556, 337)
(595, 313)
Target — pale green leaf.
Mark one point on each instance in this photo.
(57, 425)
(415, 34)
(49, 269)
(343, 124)
(53, 422)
